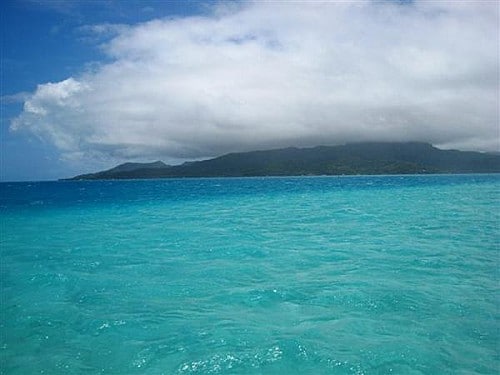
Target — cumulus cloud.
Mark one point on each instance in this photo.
(270, 74)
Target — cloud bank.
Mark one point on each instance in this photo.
(270, 74)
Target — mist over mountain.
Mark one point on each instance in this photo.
(349, 159)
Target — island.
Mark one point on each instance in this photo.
(367, 158)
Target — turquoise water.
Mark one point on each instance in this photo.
(333, 275)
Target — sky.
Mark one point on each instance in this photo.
(86, 85)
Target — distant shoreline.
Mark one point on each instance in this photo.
(253, 177)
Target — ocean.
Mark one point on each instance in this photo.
(299, 275)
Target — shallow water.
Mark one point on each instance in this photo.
(320, 275)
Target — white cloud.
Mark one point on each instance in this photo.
(272, 74)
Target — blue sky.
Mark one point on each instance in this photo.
(88, 84)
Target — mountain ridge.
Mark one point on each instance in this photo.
(349, 159)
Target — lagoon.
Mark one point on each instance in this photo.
(299, 275)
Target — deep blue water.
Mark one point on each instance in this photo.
(319, 275)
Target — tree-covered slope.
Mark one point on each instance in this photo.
(357, 158)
